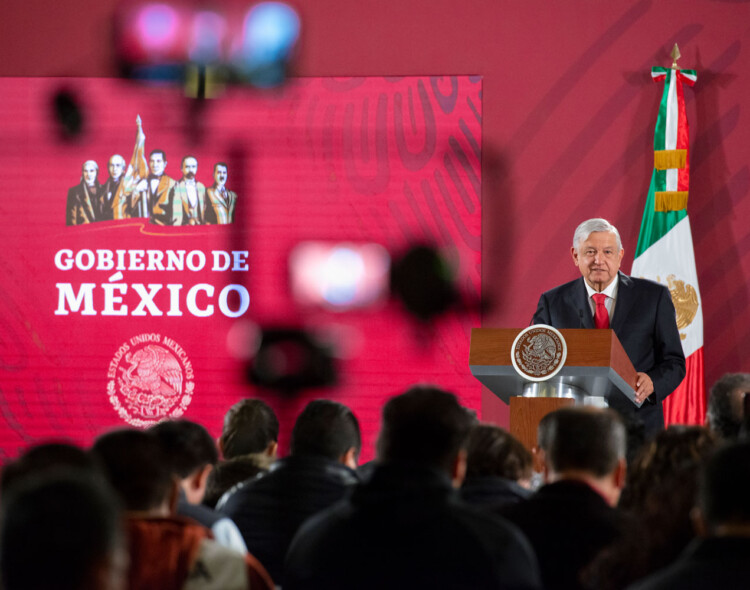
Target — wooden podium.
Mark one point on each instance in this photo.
(596, 368)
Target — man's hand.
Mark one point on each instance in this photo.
(643, 387)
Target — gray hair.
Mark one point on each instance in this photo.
(83, 169)
(118, 157)
(90, 162)
(589, 226)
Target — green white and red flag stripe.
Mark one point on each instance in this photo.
(665, 244)
(671, 140)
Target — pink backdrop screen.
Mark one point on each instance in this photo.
(117, 322)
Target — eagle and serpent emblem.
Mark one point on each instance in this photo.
(151, 384)
(539, 352)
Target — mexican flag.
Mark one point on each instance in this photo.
(136, 171)
(665, 244)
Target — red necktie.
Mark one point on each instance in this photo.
(601, 317)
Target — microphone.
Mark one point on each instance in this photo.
(580, 318)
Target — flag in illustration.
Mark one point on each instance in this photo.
(137, 170)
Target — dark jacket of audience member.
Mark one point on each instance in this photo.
(660, 493)
(320, 469)
(191, 455)
(61, 529)
(720, 557)
(572, 517)
(498, 468)
(228, 474)
(167, 552)
(405, 527)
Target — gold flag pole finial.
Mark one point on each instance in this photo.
(675, 55)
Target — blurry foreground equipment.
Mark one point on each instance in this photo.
(290, 360)
(206, 49)
(423, 281)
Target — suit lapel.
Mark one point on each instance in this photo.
(624, 302)
(578, 300)
(582, 303)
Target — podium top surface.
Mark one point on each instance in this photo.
(492, 346)
(596, 363)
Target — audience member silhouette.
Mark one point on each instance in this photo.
(571, 518)
(248, 443)
(725, 413)
(405, 527)
(719, 557)
(167, 551)
(61, 530)
(191, 454)
(659, 495)
(43, 457)
(268, 510)
(498, 468)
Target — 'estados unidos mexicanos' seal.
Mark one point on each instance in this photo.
(539, 352)
(150, 379)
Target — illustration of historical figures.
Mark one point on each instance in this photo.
(188, 201)
(142, 190)
(106, 201)
(150, 199)
(221, 200)
(83, 198)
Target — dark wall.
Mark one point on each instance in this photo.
(569, 110)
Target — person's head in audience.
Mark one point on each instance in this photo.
(250, 428)
(667, 467)
(659, 495)
(724, 488)
(586, 444)
(137, 468)
(493, 451)
(43, 457)
(725, 411)
(427, 427)
(60, 529)
(327, 429)
(191, 454)
(662, 489)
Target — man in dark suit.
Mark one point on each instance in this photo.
(639, 311)
(573, 517)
